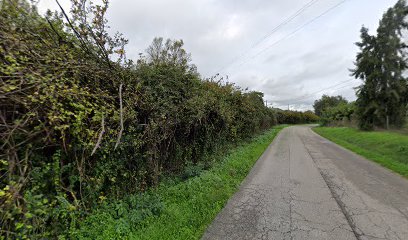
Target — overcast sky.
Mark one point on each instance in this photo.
(259, 44)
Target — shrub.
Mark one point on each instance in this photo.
(296, 117)
(81, 123)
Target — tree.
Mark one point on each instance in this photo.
(366, 66)
(338, 114)
(391, 50)
(327, 101)
(382, 98)
(168, 52)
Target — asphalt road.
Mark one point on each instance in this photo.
(306, 187)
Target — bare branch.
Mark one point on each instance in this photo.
(73, 28)
(98, 143)
(121, 116)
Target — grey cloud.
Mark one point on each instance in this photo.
(216, 32)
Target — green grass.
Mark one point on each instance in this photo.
(388, 149)
(178, 210)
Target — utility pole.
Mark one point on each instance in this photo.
(288, 107)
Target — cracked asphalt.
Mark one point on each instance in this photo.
(306, 187)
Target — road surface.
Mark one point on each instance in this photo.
(306, 187)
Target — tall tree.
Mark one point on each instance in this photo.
(366, 69)
(391, 51)
(381, 63)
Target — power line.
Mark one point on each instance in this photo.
(282, 24)
(306, 96)
(321, 90)
(325, 89)
(301, 27)
(293, 32)
(296, 14)
(335, 90)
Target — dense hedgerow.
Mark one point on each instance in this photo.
(81, 123)
(296, 117)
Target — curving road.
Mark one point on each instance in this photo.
(306, 187)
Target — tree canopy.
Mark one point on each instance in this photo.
(325, 102)
(380, 64)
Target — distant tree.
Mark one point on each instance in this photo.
(382, 98)
(295, 117)
(168, 52)
(326, 102)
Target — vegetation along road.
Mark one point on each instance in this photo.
(104, 140)
(306, 187)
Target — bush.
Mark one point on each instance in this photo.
(81, 123)
(338, 115)
(296, 117)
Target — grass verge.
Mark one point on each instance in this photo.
(178, 210)
(388, 149)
